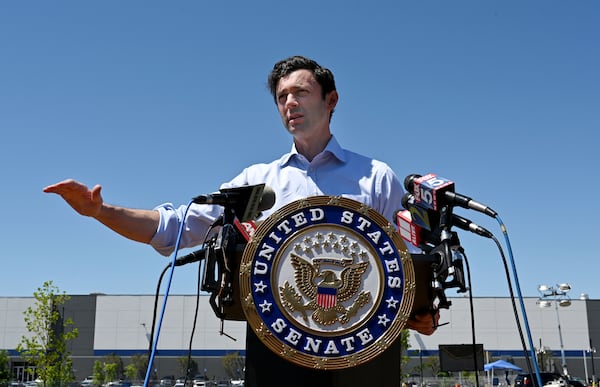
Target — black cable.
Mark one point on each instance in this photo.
(472, 319)
(156, 298)
(196, 310)
(155, 310)
(512, 298)
(533, 358)
(515, 311)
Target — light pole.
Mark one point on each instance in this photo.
(592, 352)
(558, 294)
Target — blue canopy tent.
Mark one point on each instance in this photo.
(499, 365)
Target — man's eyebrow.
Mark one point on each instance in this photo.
(288, 89)
(296, 87)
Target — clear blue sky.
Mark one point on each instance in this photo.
(163, 100)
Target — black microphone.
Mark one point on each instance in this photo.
(432, 192)
(195, 256)
(247, 201)
(267, 199)
(429, 220)
(468, 225)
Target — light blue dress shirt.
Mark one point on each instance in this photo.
(335, 171)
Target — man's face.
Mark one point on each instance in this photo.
(301, 105)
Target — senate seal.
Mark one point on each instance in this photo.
(327, 283)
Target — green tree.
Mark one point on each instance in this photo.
(433, 364)
(427, 366)
(233, 364)
(404, 347)
(141, 364)
(131, 372)
(119, 369)
(4, 368)
(110, 371)
(98, 373)
(187, 366)
(468, 377)
(49, 332)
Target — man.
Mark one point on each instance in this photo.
(306, 97)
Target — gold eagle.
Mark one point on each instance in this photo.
(347, 286)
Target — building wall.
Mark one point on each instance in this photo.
(12, 323)
(120, 324)
(123, 323)
(82, 310)
(496, 325)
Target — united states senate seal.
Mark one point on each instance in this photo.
(327, 283)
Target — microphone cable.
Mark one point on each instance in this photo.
(196, 309)
(151, 347)
(527, 355)
(472, 310)
(162, 312)
(512, 299)
(532, 357)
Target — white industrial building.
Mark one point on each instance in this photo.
(121, 325)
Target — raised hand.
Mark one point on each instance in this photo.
(85, 201)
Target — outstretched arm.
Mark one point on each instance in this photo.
(135, 224)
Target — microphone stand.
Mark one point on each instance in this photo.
(445, 264)
(219, 265)
(446, 260)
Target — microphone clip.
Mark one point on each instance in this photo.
(220, 272)
(445, 257)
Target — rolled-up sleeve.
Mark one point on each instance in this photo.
(198, 219)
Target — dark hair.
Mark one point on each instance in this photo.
(287, 66)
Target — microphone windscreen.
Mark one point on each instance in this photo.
(268, 199)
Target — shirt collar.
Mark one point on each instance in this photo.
(333, 147)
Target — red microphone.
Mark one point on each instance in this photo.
(246, 229)
(408, 230)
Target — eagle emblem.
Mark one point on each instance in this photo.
(326, 283)
(324, 292)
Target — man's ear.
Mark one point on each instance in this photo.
(332, 99)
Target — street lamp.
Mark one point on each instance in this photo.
(592, 352)
(558, 294)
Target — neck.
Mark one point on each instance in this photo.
(309, 148)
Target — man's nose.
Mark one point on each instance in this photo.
(291, 100)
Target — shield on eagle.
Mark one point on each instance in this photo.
(326, 297)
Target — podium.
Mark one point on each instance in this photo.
(266, 369)
(326, 286)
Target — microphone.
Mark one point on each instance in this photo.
(245, 229)
(195, 256)
(267, 199)
(409, 230)
(247, 201)
(419, 225)
(433, 192)
(467, 225)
